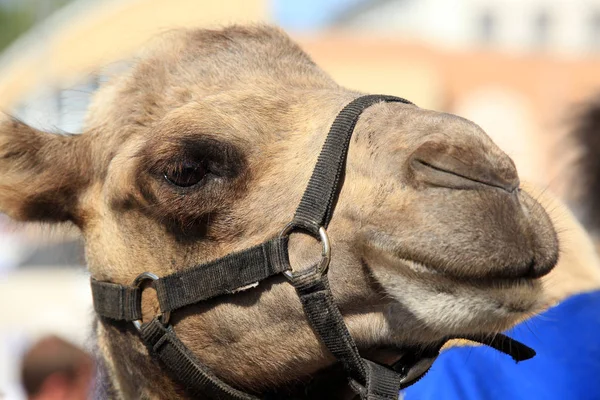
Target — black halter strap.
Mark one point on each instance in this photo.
(245, 269)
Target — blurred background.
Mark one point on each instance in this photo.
(524, 70)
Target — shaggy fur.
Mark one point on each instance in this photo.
(431, 236)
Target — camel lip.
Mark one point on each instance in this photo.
(484, 282)
(522, 275)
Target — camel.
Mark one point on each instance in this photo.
(205, 147)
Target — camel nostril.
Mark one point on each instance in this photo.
(455, 178)
(455, 167)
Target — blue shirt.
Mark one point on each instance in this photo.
(567, 365)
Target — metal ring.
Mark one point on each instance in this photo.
(141, 278)
(325, 252)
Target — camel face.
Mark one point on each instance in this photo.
(206, 147)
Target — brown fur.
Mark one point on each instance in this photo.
(31, 162)
(431, 236)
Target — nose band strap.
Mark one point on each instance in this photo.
(318, 202)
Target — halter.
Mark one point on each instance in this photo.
(247, 268)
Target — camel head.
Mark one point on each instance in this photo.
(205, 148)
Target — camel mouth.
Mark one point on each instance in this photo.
(484, 282)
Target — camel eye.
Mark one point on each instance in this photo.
(186, 174)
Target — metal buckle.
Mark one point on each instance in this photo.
(325, 252)
(141, 278)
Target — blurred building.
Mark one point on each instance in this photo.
(564, 26)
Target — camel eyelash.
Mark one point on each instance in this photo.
(218, 158)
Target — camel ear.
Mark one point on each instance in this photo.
(40, 173)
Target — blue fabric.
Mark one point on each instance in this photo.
(567, 366)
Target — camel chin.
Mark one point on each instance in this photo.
(425, 308)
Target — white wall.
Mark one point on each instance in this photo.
(457, 23)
